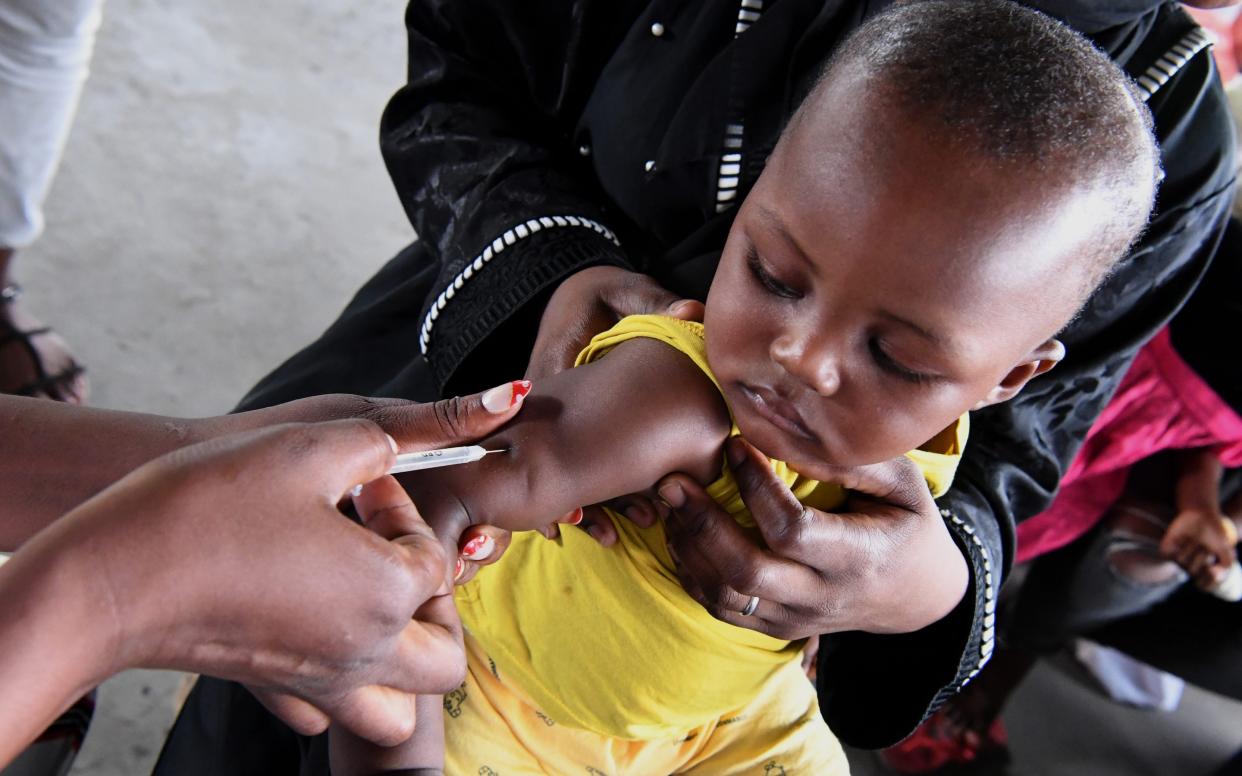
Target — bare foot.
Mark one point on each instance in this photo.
(22, 356)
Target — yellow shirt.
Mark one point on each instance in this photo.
(606, 639)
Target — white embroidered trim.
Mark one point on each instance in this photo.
(1174, 60)
(731, 163)
(747, 14)
(989, 596)
(510, 237)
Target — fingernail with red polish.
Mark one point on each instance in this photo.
(673, 495)
(479, 548)
(520, 389)
(458, 569)
(503, 398)
(734, 452)
(573, 518)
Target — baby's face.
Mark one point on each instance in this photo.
(876, 285)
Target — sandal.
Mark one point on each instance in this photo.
(944, 744)
(56, 386)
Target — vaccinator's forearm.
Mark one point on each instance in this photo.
(54, 456)
(55, 644)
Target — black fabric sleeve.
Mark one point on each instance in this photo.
(875, 689)
(1204, 331)
(480, 147)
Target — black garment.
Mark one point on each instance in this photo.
(1205, 332)
(538, 138)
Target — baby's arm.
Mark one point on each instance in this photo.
(599, 431)
(602, 430)
(1201, 537)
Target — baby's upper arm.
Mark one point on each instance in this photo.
(589, 434)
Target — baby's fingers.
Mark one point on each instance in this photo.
(637, 508)
(599, 526)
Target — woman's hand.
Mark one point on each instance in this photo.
(452, 421)
(591, 301)
(231, 558)
(887, 565)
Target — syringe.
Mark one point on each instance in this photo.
(433, 459)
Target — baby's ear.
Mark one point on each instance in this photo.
(1038, 361)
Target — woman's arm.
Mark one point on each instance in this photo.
(54, 456)
(481, 146)
(186, 564)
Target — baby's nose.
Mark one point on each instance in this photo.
(810, 360)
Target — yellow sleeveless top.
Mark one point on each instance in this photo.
(606, 639)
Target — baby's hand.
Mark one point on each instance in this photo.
(1203, 543)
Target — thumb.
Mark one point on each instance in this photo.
(456, 420)
(687, 310)
(897, 482)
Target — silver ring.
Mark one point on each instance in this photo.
(751, 606)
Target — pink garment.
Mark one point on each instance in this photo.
(1161, 405)
(1225, 25)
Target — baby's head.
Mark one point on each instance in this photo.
(961, 178)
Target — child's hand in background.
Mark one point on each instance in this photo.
(1202, 541)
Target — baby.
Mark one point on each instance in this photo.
(944, 200)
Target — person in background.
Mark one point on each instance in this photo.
(45, 52)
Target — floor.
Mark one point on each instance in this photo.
(221, 197)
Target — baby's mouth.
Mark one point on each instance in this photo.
(777, 411)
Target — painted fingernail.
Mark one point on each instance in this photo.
(479, 548)
(520, 389)
(735, 452)
(393, 444)
(497, 400)
(502, 398)
(573, 518)
(356, 491)
(458, 569)
(673, 495)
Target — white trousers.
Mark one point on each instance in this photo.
(45, 52)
